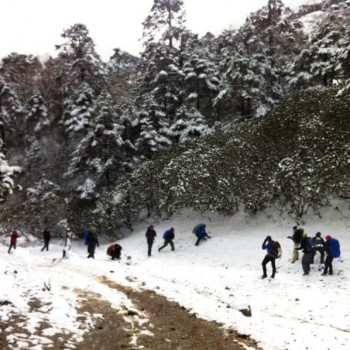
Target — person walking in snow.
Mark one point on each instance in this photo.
(47, 237)
(332, 248)
(308, 252)
(92, 243)
(200, 232)
(150, 235)
(296, 238)
(318, 243)
(67, 243)
(168, 237)
(273, 252)
(13, 240)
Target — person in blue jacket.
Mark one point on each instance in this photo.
(201, 233)
(168, 237)
(272, 248)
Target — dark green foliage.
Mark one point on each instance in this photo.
(296, 158)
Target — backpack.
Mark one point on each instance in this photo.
(310, 246)
(86, 236)
(276, 251)
(334, 247)
(166, 234)
(196, 228)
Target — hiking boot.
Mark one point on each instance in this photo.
(305, 274)
(263, 276)
(323, 274)
(331, 273)
(272, 276)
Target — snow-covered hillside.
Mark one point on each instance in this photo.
(213, 280)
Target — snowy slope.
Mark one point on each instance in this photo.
(214, 280)
(311, 20)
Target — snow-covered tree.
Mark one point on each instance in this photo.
(7, 175)
(100, 154)
(316, 64)
(79, 60)
(11, 110)
(189, 124)
(37, 117)
(165, 23)
(79, 109)
(23, 72)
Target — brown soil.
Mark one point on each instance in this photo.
(154, 323)
(168, 327)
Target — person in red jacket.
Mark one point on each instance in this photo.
(13, 240)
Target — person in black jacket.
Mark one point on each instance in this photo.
(92, 243)
(318, 243)
(296, 238)
(273, 252)
(308, 252)
(150, 235)
(47, 237)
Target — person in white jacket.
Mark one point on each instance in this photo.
(67, 243)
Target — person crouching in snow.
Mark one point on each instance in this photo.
(273, 251)
(201, 233)
(114, 251)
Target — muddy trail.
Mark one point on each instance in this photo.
(154, 323)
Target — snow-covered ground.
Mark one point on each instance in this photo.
(213, 280)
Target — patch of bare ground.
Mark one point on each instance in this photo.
(15, 326)
(154, 323)
(168, 326)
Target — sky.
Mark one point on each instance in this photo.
(213, 280)
(35, 26)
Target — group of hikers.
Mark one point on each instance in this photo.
(328, 246)
(169, 235)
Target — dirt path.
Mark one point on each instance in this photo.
(154, 323)
(168, 326)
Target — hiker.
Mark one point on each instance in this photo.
(92, 243)
(296, 238)
(168, 237)
(200, 232)
(114, 251)
(67, 243)
(332, 248)
(318, 243)
(150, 235)
(308, 252)
(47, 237)
(13, 240)
(87, 234)
(273, 251)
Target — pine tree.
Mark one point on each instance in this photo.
(7, 174)
(100, 155)
(11, 111)
(79, 61)
(78, 114)
(23, 72)
(316, 64)
(37, 117)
